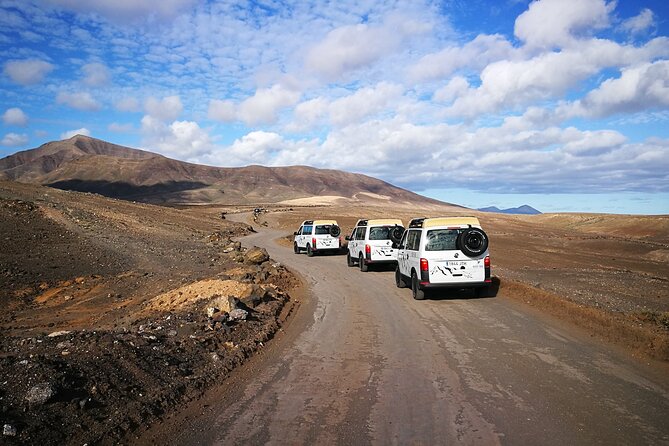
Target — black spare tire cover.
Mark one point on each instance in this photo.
(472, 242)
(335, 231)
(396, 234)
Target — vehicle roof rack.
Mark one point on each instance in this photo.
(361, 222)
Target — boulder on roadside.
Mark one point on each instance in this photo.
(256, 256)
(40, 394)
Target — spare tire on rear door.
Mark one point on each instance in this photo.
(396, 234)
(472, 242)
(335, 231)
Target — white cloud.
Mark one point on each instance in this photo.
(128, 104)
(14, 140)
(180, 139)
(123, 10)
(72, 133)
(224, 111)
(263, 107)
(15, 116)
(120, 128)
(473, 55)
(640, 23)
(96, 74)
(511, 84)
(81, 100)
(364, 103)
(557, 23)
(351, 47)
(456, 87)
(638, 88)
(166, 109)
(27, 72)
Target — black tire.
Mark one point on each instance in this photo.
(310, 253)
(416, 292)
(335, 231)
(296, 249)
(399, 280)
(472, 242)
(396, 234)
(363, 266)
(349, 260)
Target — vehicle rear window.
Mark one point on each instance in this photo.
(441, 239)
(380, 232)
(322, 229)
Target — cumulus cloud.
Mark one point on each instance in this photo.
(473, 55)
(128, 104)
(638, 88)
(640, 23)
(512, 83)
(15, 116)
(120, 128)
(124, 10)
(179, 139)
(27, 72)
(167, 109)
(261, 108)
(72, 133)
(96, 74)
(224, 111)
(14, 140)
(351, 47)
(557, 23)
(81, 100)
(363, 103)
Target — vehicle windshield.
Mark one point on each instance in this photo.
(322, 229)
(380, 232)
(441, 239)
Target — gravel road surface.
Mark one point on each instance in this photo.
(363, 363)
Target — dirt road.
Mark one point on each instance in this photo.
(362, 363)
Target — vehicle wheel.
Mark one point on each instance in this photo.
(349, 260)
(417, 293)
(335, 231)
(472, 242)
(399, 280)
(310, 253)
(296, 250)
(363, 266)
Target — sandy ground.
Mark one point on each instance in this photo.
(106, 325)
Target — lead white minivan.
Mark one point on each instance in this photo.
(445, 252)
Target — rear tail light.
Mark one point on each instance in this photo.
(486, 265)
(368, 252)
(313, 243)
(424, 272)
(486, 262)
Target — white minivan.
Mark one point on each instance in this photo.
(371, 242)
(443, 252)
(317, 236)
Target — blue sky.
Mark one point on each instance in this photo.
(559, 104)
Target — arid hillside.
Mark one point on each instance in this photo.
(86, 164)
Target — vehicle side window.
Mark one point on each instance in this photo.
(360, 233)
(413, 240)
(403, 243)
(307, 230)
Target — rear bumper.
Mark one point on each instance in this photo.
(379, 261)
(430, 285)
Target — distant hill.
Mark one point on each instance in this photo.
(91, 165)
(522, 210)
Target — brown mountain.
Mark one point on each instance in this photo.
(91, 165)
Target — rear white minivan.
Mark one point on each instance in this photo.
(443, 252)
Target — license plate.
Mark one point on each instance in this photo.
(455, 263)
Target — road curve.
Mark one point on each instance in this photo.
(373, 366)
